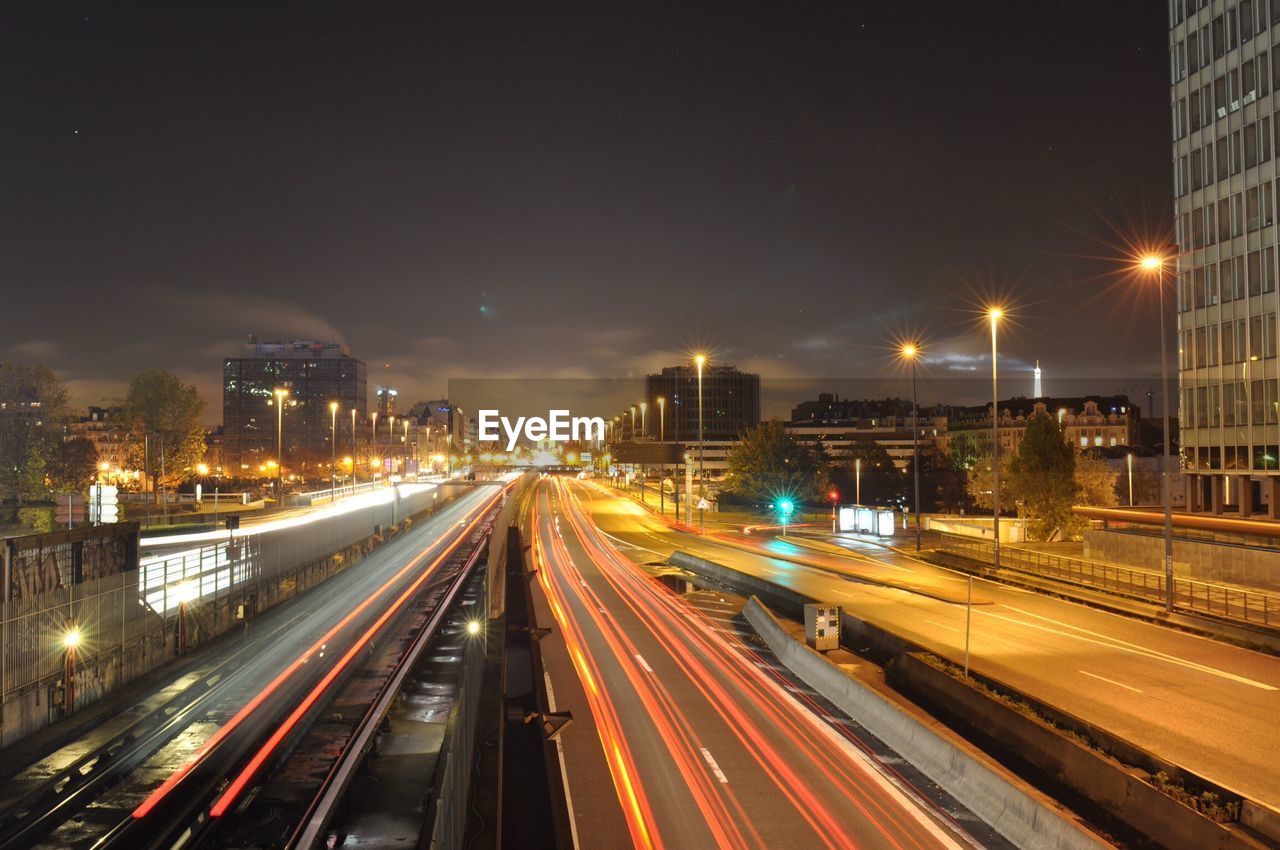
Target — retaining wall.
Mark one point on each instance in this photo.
(1201, 560)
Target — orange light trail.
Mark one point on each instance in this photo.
(227, 728)
(282, 731)
(635, 804)
(666, 614)
(676, 731)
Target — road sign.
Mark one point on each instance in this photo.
(704, 505)
(104, 502)
(69, 509)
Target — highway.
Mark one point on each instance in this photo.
(1206, 705)
(703, 746)
(204, 739)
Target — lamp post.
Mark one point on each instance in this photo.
(281, 394)
(994, 314)
(391, 444)
(70, 640)
(333, 446)
(909, 351)
(1129, 463)
(404, 423)
(1155, 265)
(354, 452)
(662, 438)
(644, 419)
(857, 481)
(700, 360)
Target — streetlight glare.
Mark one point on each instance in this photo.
(1152, 262)
(909, 350)
(71, 638)
(995, 313)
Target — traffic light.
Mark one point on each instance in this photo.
(786, 507)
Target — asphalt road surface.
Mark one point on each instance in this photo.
(1203, 704)
(703, 748)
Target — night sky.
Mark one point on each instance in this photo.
(550, 190)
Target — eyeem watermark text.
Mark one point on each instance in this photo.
(559, 426)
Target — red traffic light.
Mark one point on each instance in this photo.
(833, 496)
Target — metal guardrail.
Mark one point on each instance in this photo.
(1233, 603)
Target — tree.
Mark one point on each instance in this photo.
(942, 486)
(1042, 477)
(978, 483)
(1096, 481)
(71, 465)
(166, 438)
(770, 463)
(33, 403)
(882, 483)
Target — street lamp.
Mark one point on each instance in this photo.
(354, 451)
(281, 394)
(910, 351)
(1129, 463)
(1153, 264)
(70, 641)
(994, 314)
(700, 360)
(391, 444)
(333, 453)
(644, 419)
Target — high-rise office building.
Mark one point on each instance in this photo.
(315, 374)
(1225, 70)
(730, 402)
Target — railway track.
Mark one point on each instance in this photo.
(174, 776)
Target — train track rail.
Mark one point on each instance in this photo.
(92, 802)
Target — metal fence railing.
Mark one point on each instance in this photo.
(1227, 601)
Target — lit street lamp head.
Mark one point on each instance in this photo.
(71, 638)
(995, 313)
(909, 350)
(1152, 263)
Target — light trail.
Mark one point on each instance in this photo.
(631, 794)
(381, 496)
(250, 707)
(282, 731)
(882, 802)
(674, 728)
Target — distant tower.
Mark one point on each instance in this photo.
(1039, 390)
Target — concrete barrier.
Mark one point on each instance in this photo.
(1019, 817)
(788, 601)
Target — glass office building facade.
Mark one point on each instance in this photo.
(315, 374)
(1225, 73)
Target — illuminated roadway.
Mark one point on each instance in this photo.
(1204, 704)
(703, 747)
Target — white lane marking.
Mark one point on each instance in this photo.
(568, 798)
(1123, 646)
(643, 663)
(715, 768)
(1109, 681)
(943, 626)
(622, 542)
